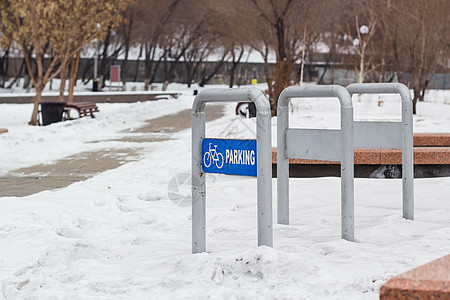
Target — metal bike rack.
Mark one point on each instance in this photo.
(264, 162)
(315, 144)
(390, 135)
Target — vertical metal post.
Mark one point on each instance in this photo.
(198, 182)
(282, 161)
(347, 169)
(407, 152)
(96, 59)
(264, 162)
(407, 136)
(347, 174)
(264, 173)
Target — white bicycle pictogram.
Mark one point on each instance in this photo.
(212, 156)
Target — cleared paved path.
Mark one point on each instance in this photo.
(34, 179)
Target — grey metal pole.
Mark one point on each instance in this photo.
(347, 173)
(198, 182)
(407, 135)
(407, 152)
(282, 160)
(264, 162)
(96, 59)
(347, 170)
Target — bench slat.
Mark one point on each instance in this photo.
(84, 108)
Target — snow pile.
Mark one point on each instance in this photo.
(118, 235)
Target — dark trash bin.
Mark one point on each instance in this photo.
(52, 112)
(247, 109)
(95, 85)
(243, 107)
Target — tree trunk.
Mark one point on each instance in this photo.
(235, 63)
(38, 98)
(34, 114)
(155, 70)
(283, 70)
(136, 70)
(73, 76)
(124, 69)
(127, 33)
(148, 62)
(189, 66)
(217, 68)
(415, 98)
(320, 81)
(232, 74)
(104, 60)
(18, 75)
(193, 71)
(62, 76)
(4, 60)
(422, 92)
(361, 66)
(189, 73)
(36, 101)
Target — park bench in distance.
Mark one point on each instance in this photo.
(84, 109)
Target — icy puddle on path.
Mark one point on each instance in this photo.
(74, 168)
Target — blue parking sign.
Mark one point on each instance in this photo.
(232, 157)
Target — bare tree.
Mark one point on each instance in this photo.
(65, 26)
(417, 33)
(152, 17)
(280, 26)
(193, 57)
(237, 52)
(4, 64)
(125, 34)
(231, 33)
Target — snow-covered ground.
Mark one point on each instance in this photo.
(119, 235)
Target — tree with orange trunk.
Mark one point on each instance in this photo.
(64, 26)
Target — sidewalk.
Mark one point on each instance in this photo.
(82, 166)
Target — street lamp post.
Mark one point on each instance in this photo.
(96, 59)
(95, 80)
(363, 30)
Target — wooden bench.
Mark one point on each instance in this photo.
(84, 109)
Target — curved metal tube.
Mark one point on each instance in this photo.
(407, 135)
(232, 95)
(264, 162)
(347, 169)
(381, 88)
(315, 91)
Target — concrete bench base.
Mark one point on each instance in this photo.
(97, 97)
(431, 159)
(422, 156)
(431, 139)
(363, 171)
